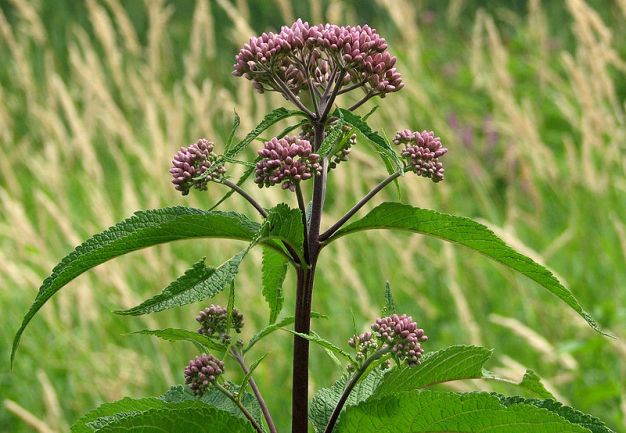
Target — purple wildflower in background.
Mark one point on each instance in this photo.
(214, 322)
(302, 55)
(402, 335)
(421, 152)
(193, 161)
(286, 161)
(201, 372)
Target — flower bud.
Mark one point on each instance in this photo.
(286, 161)
(421, 153)
(201, 372)
(402, 335)
(194, 161)
(214, 322)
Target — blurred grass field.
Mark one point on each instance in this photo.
(529, 97)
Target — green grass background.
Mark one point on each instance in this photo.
(528, 96)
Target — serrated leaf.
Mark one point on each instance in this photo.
(574, 416)
(144, 229)
(154, 415)
(270, 119)
(325, 400)
(331, 139)
(285, 224)
(469, 233)
(273, 270)
(444, 412)
(382, 146)
(214, 397)
(175, 334)
(532, 383)
(390, 304)
(451, 363)
(322, 342)
(275, 327)
(191, 288)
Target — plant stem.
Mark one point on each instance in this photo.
(302, 206)
(328, 233)
(353, 381)
(329, 103)
(241, 407)
(257, 393)
(366, 98)
(245, 195)
(305, 279)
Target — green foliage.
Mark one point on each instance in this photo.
(382, 146)
(273, 270)
(196, 284)
(285, 224)
(144, 229)
(465, 232)
(174, 334)
(328, 145)
(325, 399)
(449, 364)
(574, 416)
(149, 415)
(390, 304)
(270, 119)
(324, 343)
(436, 411)
(215, 398)
(275, 327)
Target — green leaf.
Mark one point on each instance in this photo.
(144, 229)
(390, 304)
(273, 270)
(246, 378)
(154, 415)
(285, 224)
(331, 139)
(214, 397)
(275, 327)
(325, 400)
(195, 285)
(574, 416)
(383, 147)
(435, 411)
(451, 363)
(233, 129)
(270, 119)
(322, 342)
(532, 383)
(174, 334)
(469, 233)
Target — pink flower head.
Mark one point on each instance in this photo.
(201, 372)
(421, 152)
(301, 55)
(194, 161)
(286, 161)
(402, 335)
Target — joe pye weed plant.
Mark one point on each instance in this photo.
(389, 375)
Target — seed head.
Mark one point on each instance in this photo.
(214, 322)
(286, 161)
(201, 372)
(194, 161)
(421, 152)
(402, 335)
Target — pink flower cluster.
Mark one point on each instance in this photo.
(193, 161)
(402, 335)
(286, 161)
(273, 61)
(422, 151)
(201, 372)
(214, 322)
